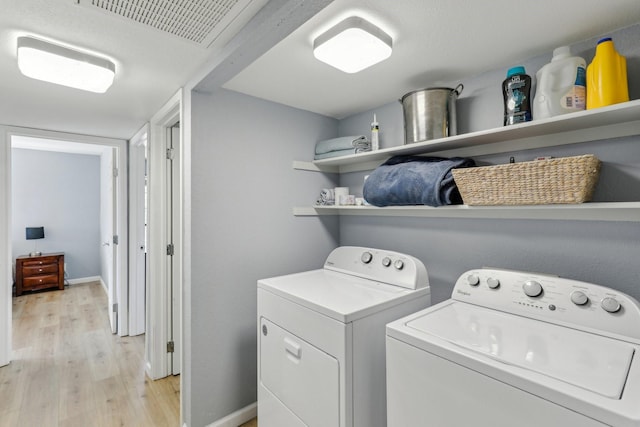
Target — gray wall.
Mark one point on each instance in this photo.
(61, 192)
(601, 252)
(243, 189)
(243, 229)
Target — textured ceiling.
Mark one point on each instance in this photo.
(435, 42)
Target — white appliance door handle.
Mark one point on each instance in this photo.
(292, 348)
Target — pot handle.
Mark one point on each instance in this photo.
(458, 89)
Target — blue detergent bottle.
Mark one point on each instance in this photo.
(516, 90)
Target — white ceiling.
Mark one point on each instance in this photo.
(151, 65)
(434, 41)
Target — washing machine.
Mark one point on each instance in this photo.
(517, 349)
(321, 337)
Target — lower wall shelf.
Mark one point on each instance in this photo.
(610, 211)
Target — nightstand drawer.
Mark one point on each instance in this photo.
(29, 271)
(40, 261)
(36, 281)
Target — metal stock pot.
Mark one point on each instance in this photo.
(430, 113)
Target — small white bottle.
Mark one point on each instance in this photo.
(375, 128)
(561, 85)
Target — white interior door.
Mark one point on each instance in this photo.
(138, 231)
(108, 225)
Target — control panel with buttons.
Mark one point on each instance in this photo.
(384, 266)
(552, 299)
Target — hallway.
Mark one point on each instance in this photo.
(69, 370)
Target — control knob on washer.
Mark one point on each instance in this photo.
(493, 283)
(579, 298)
(532, 288)
(399, 264)
(610, 304)
(473, 280)
(386, 261)
(366, 257)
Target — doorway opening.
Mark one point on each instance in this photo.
(117, 233)
(74, 187)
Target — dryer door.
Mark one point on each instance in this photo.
(304, 378)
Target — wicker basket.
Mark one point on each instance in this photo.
(540, 182)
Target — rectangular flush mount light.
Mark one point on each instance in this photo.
(352, 45)
(57, 64)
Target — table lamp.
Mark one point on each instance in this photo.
(34, 233)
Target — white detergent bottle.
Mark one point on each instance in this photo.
(561, 85)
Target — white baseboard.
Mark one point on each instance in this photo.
(84, 280)
(240, 416)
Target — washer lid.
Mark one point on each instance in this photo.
(585, 360)
(338, 295)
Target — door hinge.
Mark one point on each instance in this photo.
(170, 347)
(115, 239)
(115, 172)
(115, 307)
(169, 153)
(170, 249)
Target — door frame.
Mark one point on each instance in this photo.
(174, 138)
(6, 262)
(159, 298)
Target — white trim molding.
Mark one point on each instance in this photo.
(239, 417)
(85, 280)
(6, 263)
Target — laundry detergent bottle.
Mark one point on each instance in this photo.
(516, 90)
(561, 85)
(607, 76)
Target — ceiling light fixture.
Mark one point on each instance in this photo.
(353, 45)
(60, 65)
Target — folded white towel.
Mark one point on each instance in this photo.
(338, 144)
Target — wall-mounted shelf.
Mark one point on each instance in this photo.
(591, 125)
(614, 211)
(603, 123)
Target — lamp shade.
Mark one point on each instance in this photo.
(352, 45)
(52, 63)
(35, 233)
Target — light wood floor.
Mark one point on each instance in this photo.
(69, 370)
(251, 423)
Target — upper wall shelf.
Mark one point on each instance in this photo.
(603, 123)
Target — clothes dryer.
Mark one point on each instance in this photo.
(321, 337)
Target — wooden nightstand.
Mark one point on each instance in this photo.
(44, 271)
